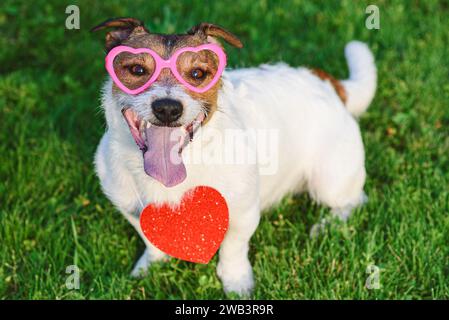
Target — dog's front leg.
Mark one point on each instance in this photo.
(151, 253)
(122, 191)
(234, 268)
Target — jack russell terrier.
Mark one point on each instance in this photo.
(162, 86)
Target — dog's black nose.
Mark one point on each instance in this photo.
(167, 110)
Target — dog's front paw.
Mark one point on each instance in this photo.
(141, 267)
(150, 255)
(236, 277)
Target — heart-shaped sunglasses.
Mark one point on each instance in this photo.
(134, 69)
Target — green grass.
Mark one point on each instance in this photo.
(52, 211)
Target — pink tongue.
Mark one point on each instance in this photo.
(163, 160)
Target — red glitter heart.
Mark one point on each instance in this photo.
(193, 230)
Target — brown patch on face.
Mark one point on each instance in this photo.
(339, 89)
(197, 69)
(203, 64)
(134, 70)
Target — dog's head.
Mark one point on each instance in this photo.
(163, 116)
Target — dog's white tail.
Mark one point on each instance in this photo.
(361, 85)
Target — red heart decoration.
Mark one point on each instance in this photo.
(192, 230)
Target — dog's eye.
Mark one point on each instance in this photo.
(198, 74)
(137, 70)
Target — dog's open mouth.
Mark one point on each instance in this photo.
(162, 146)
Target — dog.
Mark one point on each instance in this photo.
(318, 146)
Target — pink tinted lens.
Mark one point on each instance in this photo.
(198, 69)
(133, 70)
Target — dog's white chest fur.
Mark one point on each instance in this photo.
(310, 142)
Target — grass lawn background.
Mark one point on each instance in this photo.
(52, 211)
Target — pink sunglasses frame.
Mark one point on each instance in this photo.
(162, 64)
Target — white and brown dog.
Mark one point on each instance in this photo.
(317, 147)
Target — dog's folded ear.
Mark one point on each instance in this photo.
(123, 27)
(211, 30)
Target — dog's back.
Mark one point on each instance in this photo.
(311, 120)
(358, 89)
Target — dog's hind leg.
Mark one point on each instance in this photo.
(342, 214)
(337, 182)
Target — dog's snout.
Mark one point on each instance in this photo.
(167, 110)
